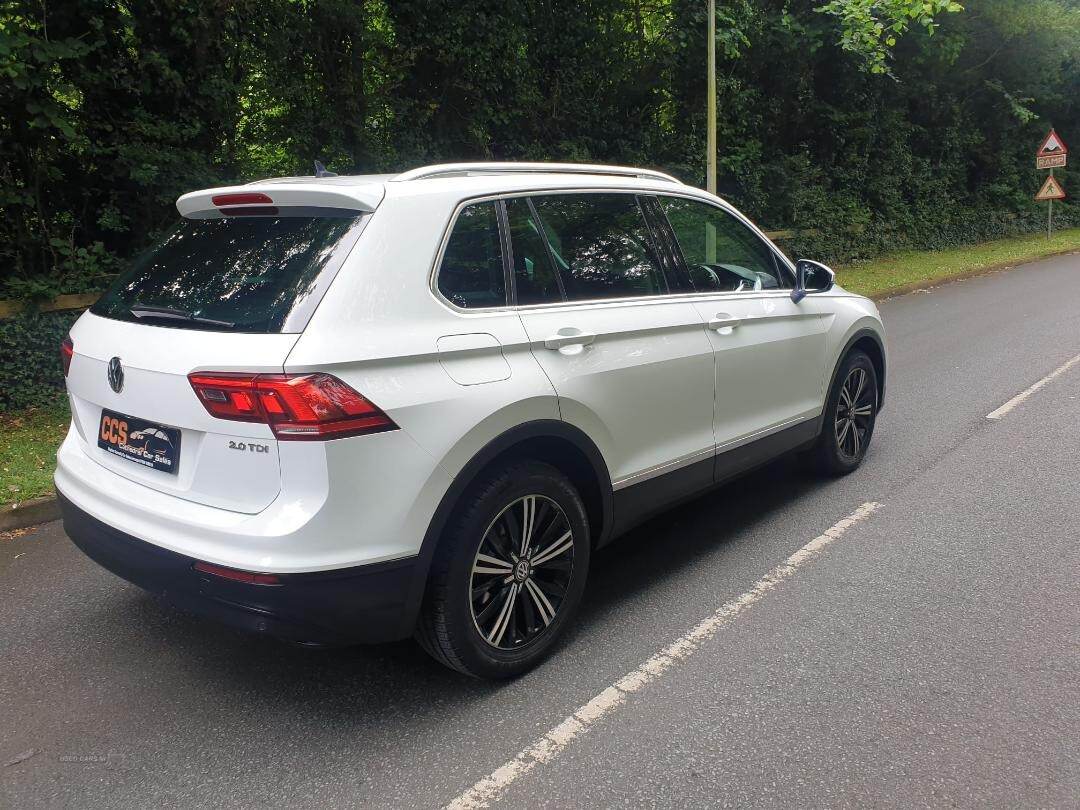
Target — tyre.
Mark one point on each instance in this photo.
(849, 416)
(509, 572)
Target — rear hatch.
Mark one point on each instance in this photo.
(228, 290)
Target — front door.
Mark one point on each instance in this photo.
(769, 351)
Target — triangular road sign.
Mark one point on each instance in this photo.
(1051, 190)
(1053, 145)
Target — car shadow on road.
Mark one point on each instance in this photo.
(667, 544)
(667, 547)
(655, 552)
(216, 672)
(151, 682)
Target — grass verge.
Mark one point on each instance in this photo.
(28, 439)
(28, 442)
(911, 269)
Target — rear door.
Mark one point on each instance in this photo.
(769, 350)
(631, 366)
(220, 293)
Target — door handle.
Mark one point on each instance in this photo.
(724, 321)
(568, 337)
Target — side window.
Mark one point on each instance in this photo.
(721, 253)
(600, 245)
(535, 279)
(471, 273)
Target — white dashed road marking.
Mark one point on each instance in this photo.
(551, 744)
(1012, 403)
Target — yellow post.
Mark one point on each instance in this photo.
(710, 137)
(710, 156)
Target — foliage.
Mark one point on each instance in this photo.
(871, 28)
(30, 373)
(28, 442)
(110, 110)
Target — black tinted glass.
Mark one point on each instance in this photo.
(534, 276)
(600, 245)
(241, 274)
(471, 273)
(721, 253)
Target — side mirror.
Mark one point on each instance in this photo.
(811, 277)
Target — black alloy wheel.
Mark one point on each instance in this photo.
(509, 572)
(850, 414)
(521, 572)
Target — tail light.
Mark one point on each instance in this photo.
(67, 351)
(303, 407)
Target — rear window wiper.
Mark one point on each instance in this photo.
(173, 314)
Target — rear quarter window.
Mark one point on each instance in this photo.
(257, 274)
(471, 273)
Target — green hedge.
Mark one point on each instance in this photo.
(845, 244)
(30, 372)
(110, 111)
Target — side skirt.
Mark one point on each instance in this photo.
(637, 503)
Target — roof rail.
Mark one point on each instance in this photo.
(467, 169)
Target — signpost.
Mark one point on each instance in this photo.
(1053, 154)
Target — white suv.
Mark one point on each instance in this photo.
(341, 409)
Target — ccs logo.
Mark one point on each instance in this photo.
(114, 430)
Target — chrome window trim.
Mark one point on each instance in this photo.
(701, 196)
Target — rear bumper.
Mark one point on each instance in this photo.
(364, 604)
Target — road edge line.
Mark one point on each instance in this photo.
(491, 787)
(1027, 392)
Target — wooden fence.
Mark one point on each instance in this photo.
(83, 300)
(58, 304)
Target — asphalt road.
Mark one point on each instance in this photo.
(928, 656)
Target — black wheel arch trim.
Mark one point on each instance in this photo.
(857, 336)
(538, 429)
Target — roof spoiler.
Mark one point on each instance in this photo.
(247, 199)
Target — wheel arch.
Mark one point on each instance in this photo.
(557, 443)
(869, 341)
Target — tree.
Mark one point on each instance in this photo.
(871, 28)
(110, 110)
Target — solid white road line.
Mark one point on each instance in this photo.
(551, 744)
(1012, 403)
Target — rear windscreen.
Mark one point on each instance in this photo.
(238, 274)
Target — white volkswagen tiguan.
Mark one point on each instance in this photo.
(346, 409)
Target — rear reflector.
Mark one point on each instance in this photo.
(237, 576)
(307, 407)
(245, 198)
(67, 351)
